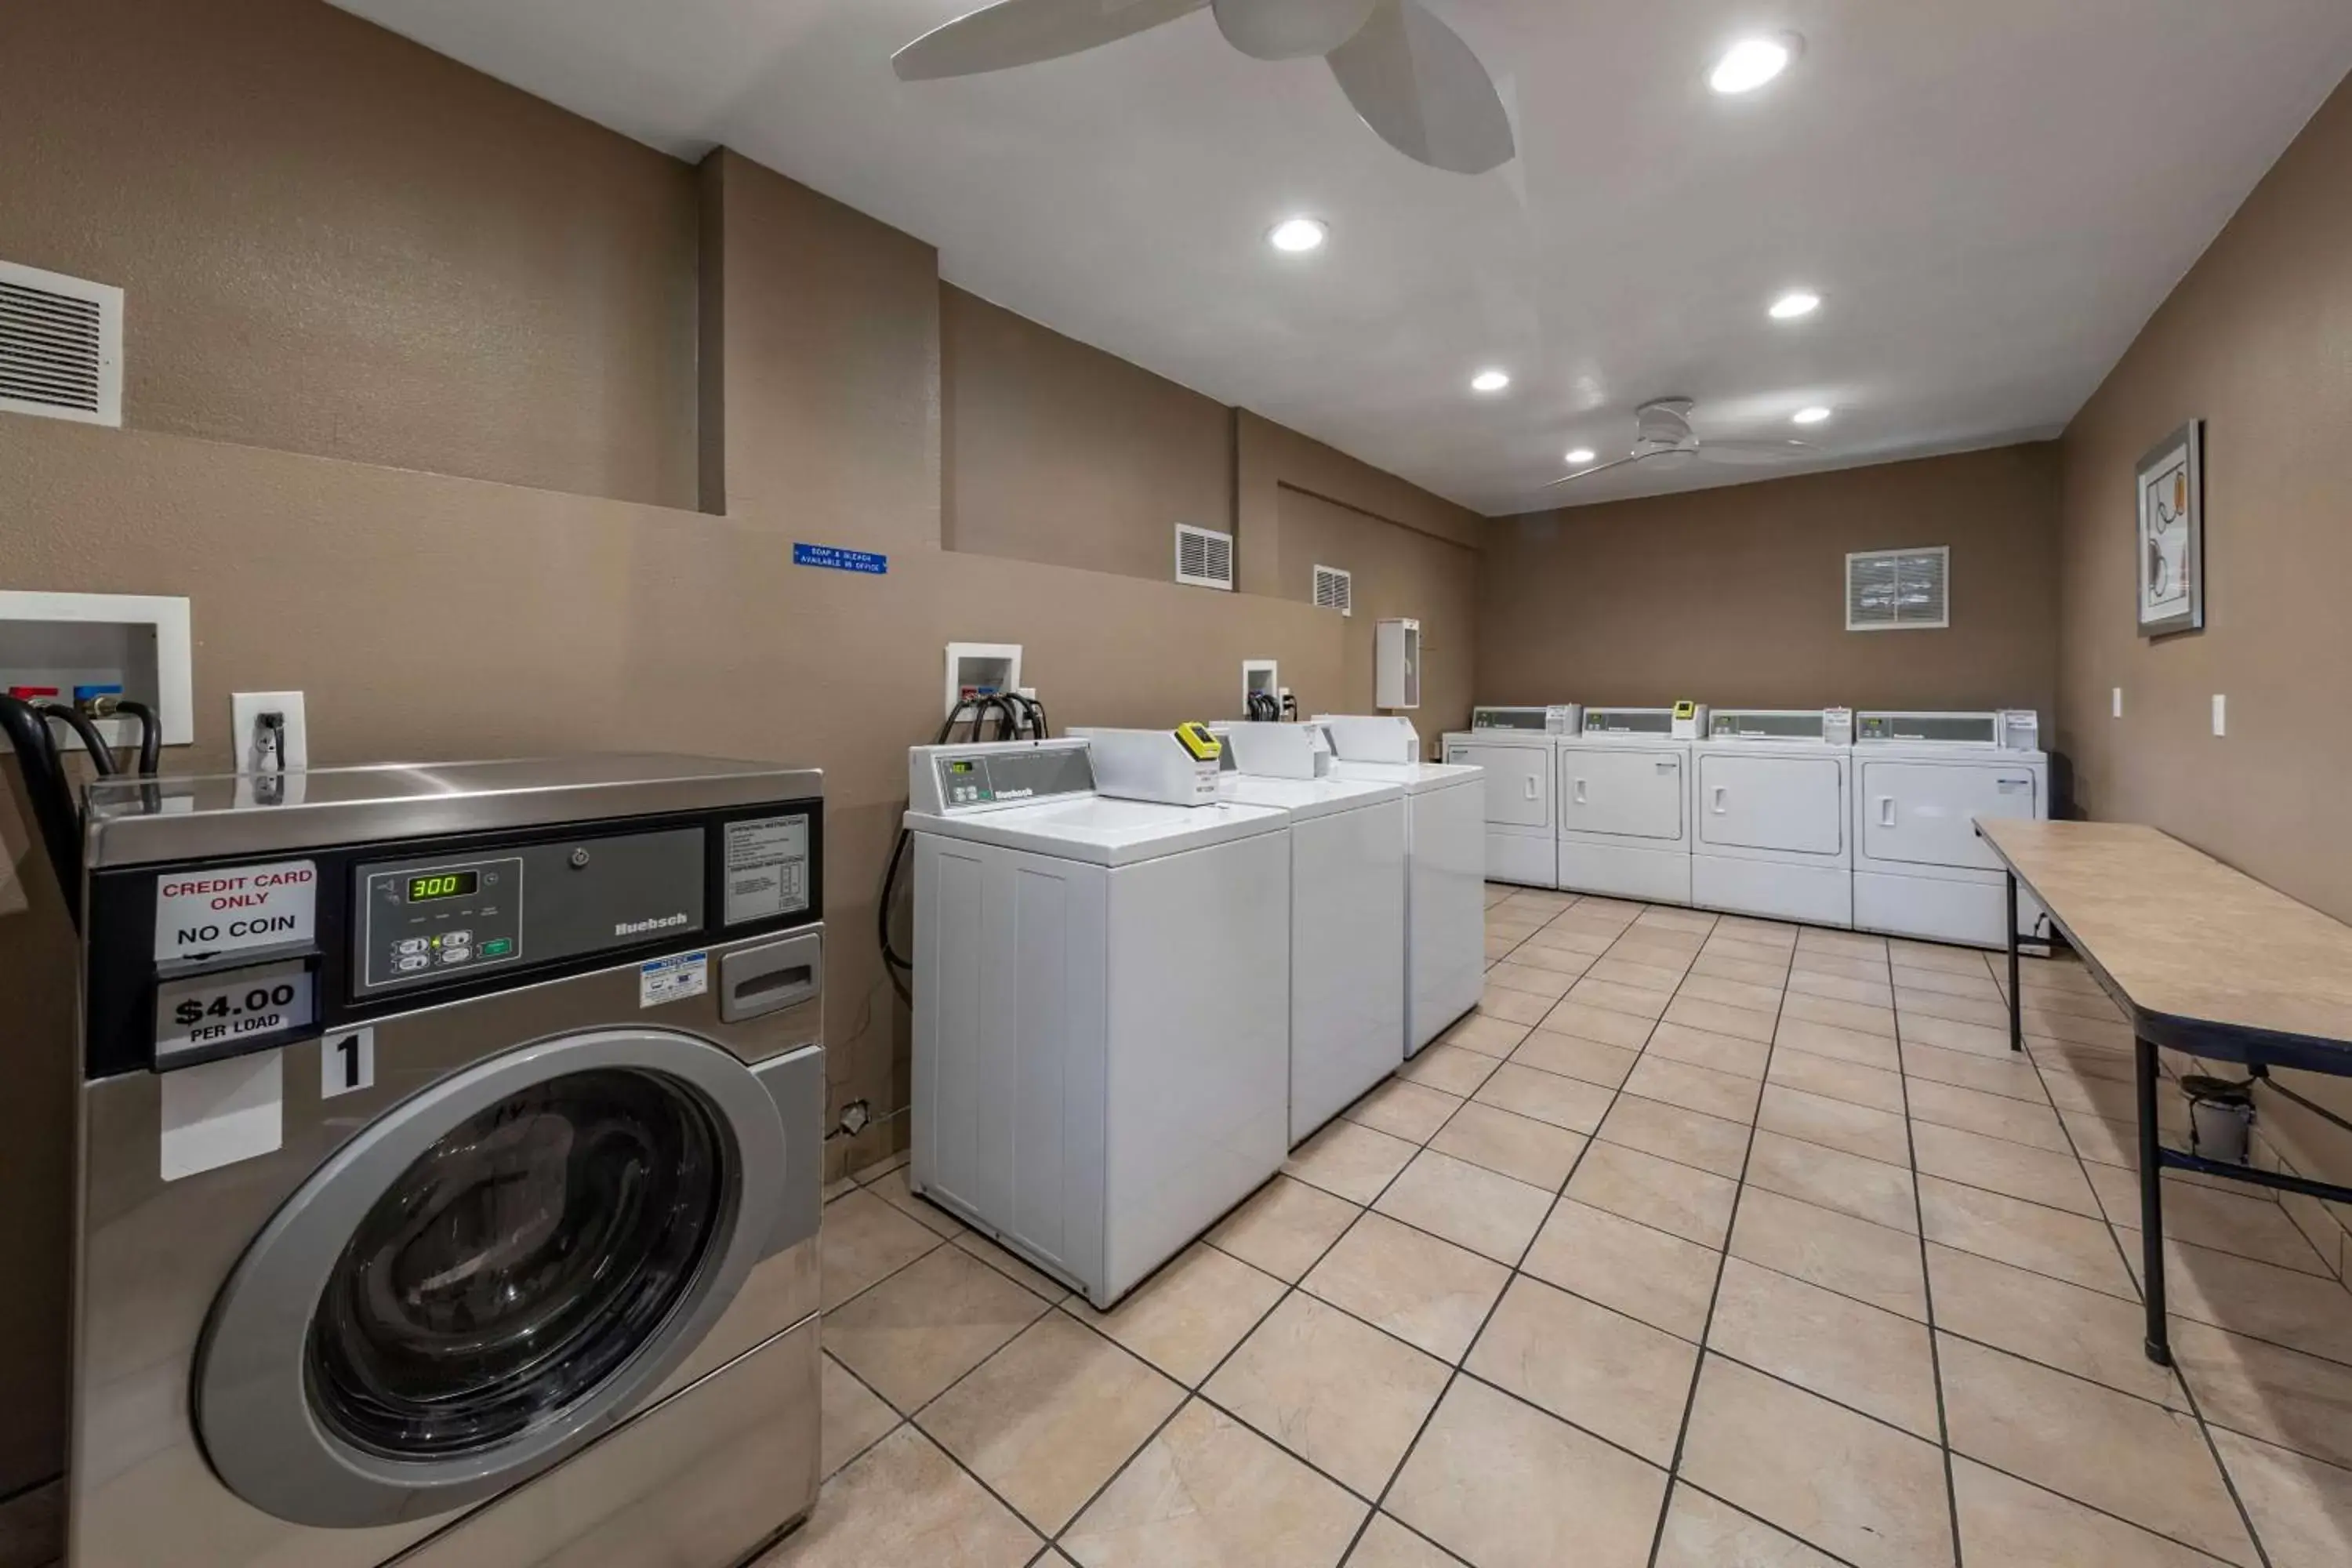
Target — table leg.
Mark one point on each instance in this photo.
(2151, 1206)
(2016, 999)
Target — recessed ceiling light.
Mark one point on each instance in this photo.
(1813, 416)
(1795, 303)
(1298, 234)
(1490, 381)
(1751, 62)
(1581, 456)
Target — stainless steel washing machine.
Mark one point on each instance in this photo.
(449, 1167)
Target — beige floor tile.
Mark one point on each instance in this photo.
(2082, 1331)
(1561, 962)
(1017, 1270)
(1661, 1279)
(1849, 1183)
(1704, 1049)
(1050, 1418)
(1855, 1487)
(1829, 1040)
(2298, 1311)
(1387, 1544)
(1719, 966)
(1207, 1491)
(1427, 1292)
(1860, 1017)
(875, 1170)
(1995, 1115)
(1687, 1137)
(1945, 983)
(2104, 1032)
(1951, 1035)
(1720, 946)
(2081, 1003)
(1702, 1532)
(1502, 1485)
(2138, 1461)
(1467, 1205)
(903, 1501)
(864, 1240)
(1689, 922)
(1937, 956)
(1632, 972)
(1878, 1362)
(1536, 1152)
(1682, 1200)
(2104, 1143)
(1835, 1079)
(1742, 994)
(2301, 1508)
(1727, 1095)
(1573, 1056)
(2012, 1076)
(1498, 924)
(1547, 1097)
(1718, 1018)
(1338, 1393)
(2283, 1396)
(1874, 992)
(1354, 1162)
(1983, 1011)
(1660, 950)
(2207, 1216)
(1569, 938)
(1529, 978)
(891, 1188)
(1851, 944)
(1500, 1002)
(2004, 1521)
(1487, 1035)
(1603, 1023)
(851, 1418)
(1812, 962)
(1284, 1227)
(1406, 1111)
(1778, 935)
(1607, 1372)
(1618, 997)
(1835, 1124)
(2010, 1230)
(1835, 1251)
(1499, 947)
(2066, 971)
(2068, 1089)
(1187, 1316)
(1450, 1069)
(926, 1325)
(2017, 1170)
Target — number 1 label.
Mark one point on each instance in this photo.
(346, 1062)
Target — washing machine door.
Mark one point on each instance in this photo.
(489, 1276)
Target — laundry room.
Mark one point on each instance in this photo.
(1287, 783)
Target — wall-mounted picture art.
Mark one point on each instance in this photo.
(2172, 536)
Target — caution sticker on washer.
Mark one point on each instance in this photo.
(673, 979)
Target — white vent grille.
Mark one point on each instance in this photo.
(60, 346)
(1335, 590)
(1204, 558)
(1899, 590)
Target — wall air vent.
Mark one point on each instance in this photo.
(60, 346)
(1899, 590)
(1204, 558)
(1335, 590)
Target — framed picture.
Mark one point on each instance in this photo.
(2171, 539)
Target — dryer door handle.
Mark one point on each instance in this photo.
(1531, 782)
(1579, 792)
(1719, 801)
(1886, 811)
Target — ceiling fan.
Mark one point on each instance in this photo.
(1662, 435)
(1410, 76)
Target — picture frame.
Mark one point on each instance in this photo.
(2169, 495)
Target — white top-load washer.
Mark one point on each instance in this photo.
(1770, 793)
(1519, 749)
(1445, 858)
(1101, 1036)
(1624, 809)
(1921, 783)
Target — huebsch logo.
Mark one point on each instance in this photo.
(632, 928)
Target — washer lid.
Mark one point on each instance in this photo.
(1306, 797)
(1104, 832)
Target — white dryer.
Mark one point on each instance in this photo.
(1770, 807)
(1346, 935)
(1445, 856)
(1102, 990)
(1519, 749)
(1922, 780)
(1624, 809)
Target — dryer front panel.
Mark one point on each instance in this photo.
(1925, 813)
(1791, 805)
(1519, 781)
(1624, 792)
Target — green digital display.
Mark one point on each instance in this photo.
(958, 767)
(442, 885)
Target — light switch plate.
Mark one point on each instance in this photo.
(2119, 701)
(2221, 714)
(246, 709)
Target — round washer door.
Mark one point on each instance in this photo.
(488, 1277)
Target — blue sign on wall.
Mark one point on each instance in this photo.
(837, 560)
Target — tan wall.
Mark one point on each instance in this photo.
(399, 261)
(1737, 597)
(2256, 340)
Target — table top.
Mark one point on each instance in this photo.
(2182, 938)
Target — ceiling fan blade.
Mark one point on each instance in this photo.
(1022, 32)
(1418, 85)
(1598, 468)
(1753, 452)
(1291, 29)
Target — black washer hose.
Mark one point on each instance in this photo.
(52, 798)
(102, 756)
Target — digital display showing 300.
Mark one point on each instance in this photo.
(442, 885)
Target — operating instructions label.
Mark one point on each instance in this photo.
(673, 979)
(767, 868)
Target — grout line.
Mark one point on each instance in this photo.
(1935, 1350)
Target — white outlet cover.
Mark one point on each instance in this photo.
(2221, 714)
(246, 709)
(2119, 701)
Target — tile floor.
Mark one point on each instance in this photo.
(1703, 1243)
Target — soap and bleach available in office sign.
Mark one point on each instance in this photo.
(833, 558)
(227, 909)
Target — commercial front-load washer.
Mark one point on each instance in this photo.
(1921, 782)
(450, 1164)
(1445, 858)
(1769, 806)
(1102, 1005)
(1625, 821)
(1519, 749)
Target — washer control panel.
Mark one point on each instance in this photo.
(443, 917)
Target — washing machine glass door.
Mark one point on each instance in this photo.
(488, 1277)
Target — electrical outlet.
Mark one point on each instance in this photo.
(245, 710)
(2221, 714)
(2119, 701)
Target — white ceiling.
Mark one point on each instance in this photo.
(1991, 194)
